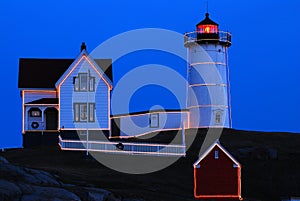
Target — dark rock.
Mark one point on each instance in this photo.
(8, 190)
(39, 198)
(11, 172)
(98, 194)
(26, 184)
(25, 188)
(3, 160)
(41, 178)
(51, 193)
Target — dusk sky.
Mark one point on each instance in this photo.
(264, 57)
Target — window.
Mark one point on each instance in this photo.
(218, 117)
(154, 120)
(35, 112)
(92, 84)
(91, 112)
(84, 82)
(216, 154)
(82, 113)
(76, 112)
(76, 83)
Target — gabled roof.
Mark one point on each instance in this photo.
(216, 143)
(207, 21)
(44, 73)
(94, 64)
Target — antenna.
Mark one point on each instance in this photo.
(207, 6)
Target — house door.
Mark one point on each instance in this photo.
(51, 118)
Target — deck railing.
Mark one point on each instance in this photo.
(127, 148)
(191, 37)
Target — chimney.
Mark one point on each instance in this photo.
(83, 47)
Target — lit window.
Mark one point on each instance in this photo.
(91, 112)
(154, 120)
(218, 117)
(216, 154)
(207, 29)
(35, 112)
(82, 114)
(92, 84)
(76, 112)
(76, 84)
(84, 83)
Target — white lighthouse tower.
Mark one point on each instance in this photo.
(208, 76)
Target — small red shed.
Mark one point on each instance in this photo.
(217, 175)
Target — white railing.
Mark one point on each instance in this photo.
(127, 148)
(191, 37)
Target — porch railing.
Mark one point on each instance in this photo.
(127, 148)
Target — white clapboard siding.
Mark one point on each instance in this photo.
(30, 96)
(68, 97)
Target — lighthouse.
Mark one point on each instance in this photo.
(208, 97)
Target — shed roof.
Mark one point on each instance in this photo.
(216, 143)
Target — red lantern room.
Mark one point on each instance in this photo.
(207, 29)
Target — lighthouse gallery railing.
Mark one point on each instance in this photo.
(191, 37)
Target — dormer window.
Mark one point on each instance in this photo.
(84, 83)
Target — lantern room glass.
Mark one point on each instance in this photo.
(207, 29)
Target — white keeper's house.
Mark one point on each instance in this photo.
(63, 98)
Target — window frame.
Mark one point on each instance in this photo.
(35, 110)
(81, 75)
(78, 83)
(78, 111)
(92, 84)
(91, 105)
(216, 154)
(218, 116)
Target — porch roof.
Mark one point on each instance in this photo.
(44, 101)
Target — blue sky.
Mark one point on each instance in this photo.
(264, 66)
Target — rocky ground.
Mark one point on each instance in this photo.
(270, 170)
(27, 184)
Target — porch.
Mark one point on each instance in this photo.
(41, 115)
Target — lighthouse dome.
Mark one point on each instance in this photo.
(207, 21)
